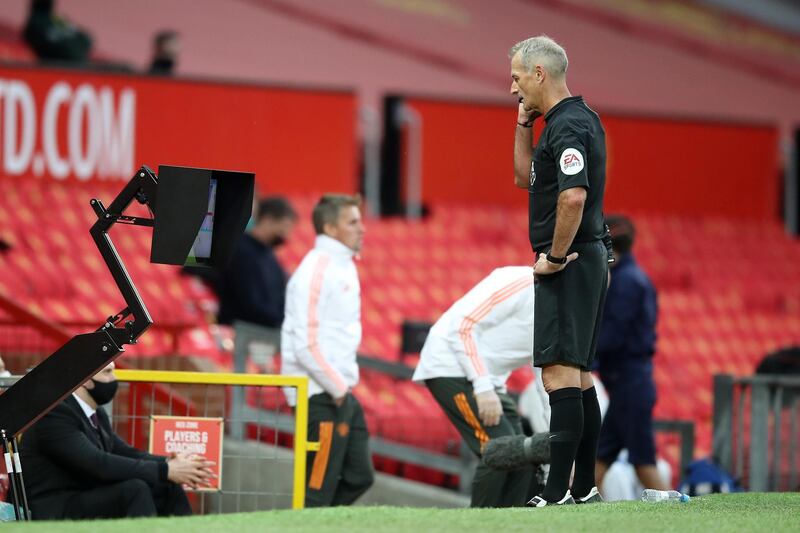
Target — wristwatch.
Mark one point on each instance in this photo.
(555, 260)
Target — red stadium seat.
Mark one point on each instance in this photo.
(718, 312)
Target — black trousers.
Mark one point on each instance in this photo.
(490, 488)
(131, 498)
(341, 471)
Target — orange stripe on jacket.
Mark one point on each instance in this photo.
(313, 322)
(321, 459)
(465, 331)
(480, 312)
(469, 416)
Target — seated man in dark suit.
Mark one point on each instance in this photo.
(77, 467)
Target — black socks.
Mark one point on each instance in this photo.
(586, 456)
(566, 426)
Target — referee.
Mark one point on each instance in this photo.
(565, 176)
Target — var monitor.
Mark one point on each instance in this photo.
(200, 253)
(196, 211)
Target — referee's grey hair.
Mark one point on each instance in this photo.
(544, 50)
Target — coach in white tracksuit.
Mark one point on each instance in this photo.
(465, 362)
(320, 336)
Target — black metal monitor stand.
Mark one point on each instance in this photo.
(84, 355)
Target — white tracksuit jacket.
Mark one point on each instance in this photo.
(322, 325)
(484, 335)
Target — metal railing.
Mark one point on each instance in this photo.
(300, 383)
(756, 429)
(247, 465)
(462, 465)
(684, 429)
(259, 345)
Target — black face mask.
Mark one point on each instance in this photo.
(102, 393)
(277, 240)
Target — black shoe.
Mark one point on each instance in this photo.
(593, 497)
(538, 501)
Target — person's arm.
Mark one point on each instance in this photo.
(623, 308)
(62, 439)
(650, 316)
(120, 447)
(310, 296)
(569, 214)
(486, 306)
(190, 469)
(573, 183)
(243, 280)
(523, 149)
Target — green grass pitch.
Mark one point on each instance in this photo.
(772, 513)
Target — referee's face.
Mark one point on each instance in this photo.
(524, 84)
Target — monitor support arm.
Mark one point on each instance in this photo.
(142, 188)
(86, 354)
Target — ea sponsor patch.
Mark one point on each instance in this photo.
(571, 161)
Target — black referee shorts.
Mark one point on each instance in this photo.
(568, 309)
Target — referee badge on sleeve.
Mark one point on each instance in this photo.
(571, 161)
(533, 174)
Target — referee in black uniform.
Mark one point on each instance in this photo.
(565, 176)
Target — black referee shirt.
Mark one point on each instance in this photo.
(571, 152)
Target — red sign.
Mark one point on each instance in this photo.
(72, 125)
(189, 435)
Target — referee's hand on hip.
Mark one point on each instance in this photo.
(543, 267)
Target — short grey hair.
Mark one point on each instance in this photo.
(544, 50)
(327, 209)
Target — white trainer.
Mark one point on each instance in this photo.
(538, 501)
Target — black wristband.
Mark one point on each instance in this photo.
(525, 124)
(555, 260)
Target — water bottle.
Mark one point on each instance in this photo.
(7, 512)
(653, 495)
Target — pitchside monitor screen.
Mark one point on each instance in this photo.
(200, 254)
(200, 214)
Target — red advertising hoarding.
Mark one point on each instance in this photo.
(74, 125)
(655, 164)
(192, 436)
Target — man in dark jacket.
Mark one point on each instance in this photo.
(76, 467)
(625, 351)
(253, 287)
